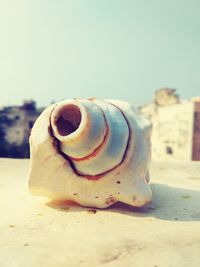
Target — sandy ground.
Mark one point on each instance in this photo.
(36, 232)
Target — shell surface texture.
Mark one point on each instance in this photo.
(91, 151)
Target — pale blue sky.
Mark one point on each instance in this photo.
(55, 49)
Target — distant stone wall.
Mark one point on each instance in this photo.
(176, 126)
(172, 132)
(166, 97)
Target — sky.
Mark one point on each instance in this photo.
(52, 50)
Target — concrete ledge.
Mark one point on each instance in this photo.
(37, 232)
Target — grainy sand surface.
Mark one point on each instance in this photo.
(37, 232)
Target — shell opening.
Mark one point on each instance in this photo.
(68, 120)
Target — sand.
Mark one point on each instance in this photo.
(37, 232)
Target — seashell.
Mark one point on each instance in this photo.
(91, 151)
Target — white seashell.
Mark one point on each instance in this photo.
(91, 151)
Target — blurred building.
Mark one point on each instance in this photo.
(176, 126)
(23, 118)
(16, 123)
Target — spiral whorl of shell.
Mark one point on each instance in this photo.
(91, 151)
(93, 135)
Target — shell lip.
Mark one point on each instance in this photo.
(56, 114)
